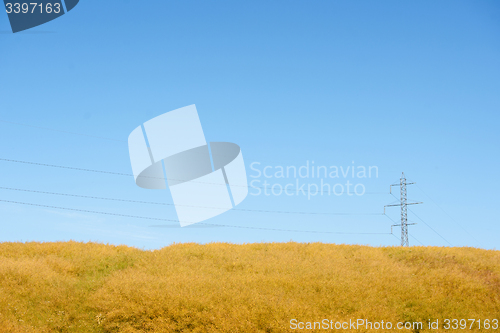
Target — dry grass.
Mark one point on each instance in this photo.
(87, 287)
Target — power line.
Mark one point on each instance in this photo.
(390, 218)
(437, 233)
(70, 168)
(395, 236)
(170, 204)
(417, 240)
(87, 211)
(203, 223)
(132, 175)
(448, 214)
(304, 231)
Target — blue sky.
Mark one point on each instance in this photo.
(403, 86)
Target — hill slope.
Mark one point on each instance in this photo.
(88, 287)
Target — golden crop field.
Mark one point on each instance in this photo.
(260, 287)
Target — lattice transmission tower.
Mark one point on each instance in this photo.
(404, 209)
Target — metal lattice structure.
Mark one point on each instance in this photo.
(404, 209)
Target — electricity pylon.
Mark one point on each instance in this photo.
(404, 209)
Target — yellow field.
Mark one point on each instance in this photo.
(88, 287)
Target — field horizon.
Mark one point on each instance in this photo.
(256, 287)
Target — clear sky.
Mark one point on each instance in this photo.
(404, 86)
